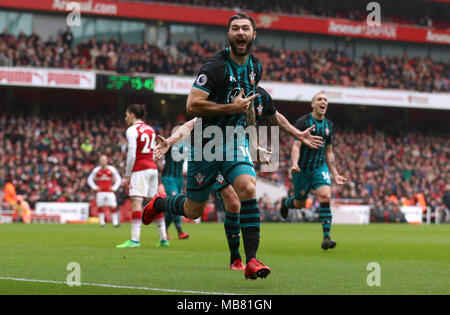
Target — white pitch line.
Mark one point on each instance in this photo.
(120, 286)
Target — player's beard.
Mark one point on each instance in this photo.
(235, 50)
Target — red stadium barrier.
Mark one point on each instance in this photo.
(151, 11)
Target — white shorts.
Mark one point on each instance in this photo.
(107, 199)
(144, 184)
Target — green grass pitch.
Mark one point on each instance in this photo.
(412, 259)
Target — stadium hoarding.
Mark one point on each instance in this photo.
(358, 96)
(360, 214)
(350, 214)
(68, 211)
(166, 84)
(413, 214)
(197, 15)
(47, 78)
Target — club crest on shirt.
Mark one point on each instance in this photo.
(327, 131)
(252, 77)
(259, 109)
(220, 179)
(199, 179)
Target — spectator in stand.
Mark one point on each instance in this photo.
(377, 212)
(395, 214)
(67, 38)
(442, 214)
(22, 211)
(268, 211)
(9, 194)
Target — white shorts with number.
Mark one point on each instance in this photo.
(107, 199)
(144, 184)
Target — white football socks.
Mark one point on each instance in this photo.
(101, 217)
(115, 218)
(161, 224)
(136, 230)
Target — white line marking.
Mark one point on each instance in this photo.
(120, 286)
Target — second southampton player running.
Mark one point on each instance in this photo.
(310, 168)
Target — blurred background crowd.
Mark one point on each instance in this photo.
(49, 159)
(320, 66)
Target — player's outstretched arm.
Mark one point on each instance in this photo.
(181, 133)
(305, 136)
(281, 121)
(331, 162)
(198, 105)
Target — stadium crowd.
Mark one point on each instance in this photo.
(49, 159)
(324, 66)
(306, 8)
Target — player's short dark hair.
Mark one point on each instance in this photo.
(139, 110)
(314, 97)
(241, 16)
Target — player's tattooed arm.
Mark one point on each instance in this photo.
(250, 118)
(198, 104)
(259, 155)
(331, 162)
(273, 121)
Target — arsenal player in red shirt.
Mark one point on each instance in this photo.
(105, 180)
(141, 173)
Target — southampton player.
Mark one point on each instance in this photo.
(141, 173)
(263, 107)
(105, 180)
(173, 181)
(310, 168)
(217, 97)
